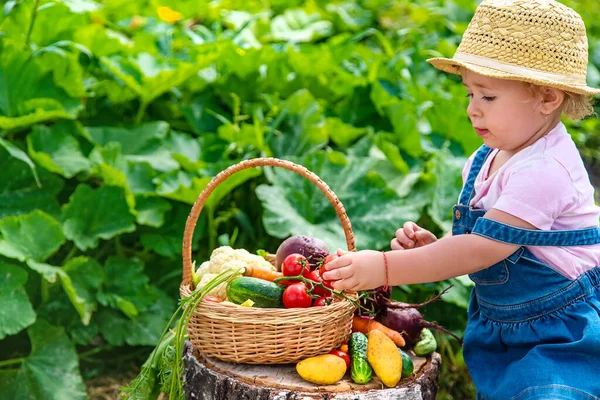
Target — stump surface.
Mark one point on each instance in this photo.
(212, 379)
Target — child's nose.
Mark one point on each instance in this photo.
(473, 110)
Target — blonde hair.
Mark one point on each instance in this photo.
(575, 106)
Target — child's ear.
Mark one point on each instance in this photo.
(551, 100)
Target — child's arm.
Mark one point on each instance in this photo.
(443, 259)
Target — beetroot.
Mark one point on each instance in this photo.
(310, 247)
(405, 318)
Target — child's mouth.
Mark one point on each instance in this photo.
(481, 132)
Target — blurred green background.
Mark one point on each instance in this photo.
(115, 114)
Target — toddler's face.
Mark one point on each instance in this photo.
(504, 113)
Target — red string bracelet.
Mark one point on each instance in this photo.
(387, 279)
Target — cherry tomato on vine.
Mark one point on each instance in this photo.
(295, 264)
(315, 277)
(329, 258)
(343, 355)
(295, 296)
(323, 301)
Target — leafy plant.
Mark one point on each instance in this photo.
(115, 115)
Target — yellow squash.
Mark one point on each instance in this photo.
(384, 357)
(325, 369)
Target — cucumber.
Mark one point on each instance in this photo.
(407, 364)
(426, 343)
(360, 370)
(263, 293)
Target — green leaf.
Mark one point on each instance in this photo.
(148, 76)
(293, 205)
(20, 193)
(180, 186)
(442, 185)
(301, 128)
(143, 143)
(51, 371)
(151, 210)
(85, 305)
(93, 214)
(34, 236)
(127, 287)
(297, 26)
(343, 134)
(28, 94)
(144, 330)
(55, 149)
(19, 154)
(16, 312)
(102, 41)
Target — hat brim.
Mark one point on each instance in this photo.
(453, 66)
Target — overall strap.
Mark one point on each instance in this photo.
(531, 237)
(469, 189)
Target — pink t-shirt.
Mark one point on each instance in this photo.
(547, 185)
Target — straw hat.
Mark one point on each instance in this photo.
(538, 41)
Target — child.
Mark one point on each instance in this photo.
(526, 226)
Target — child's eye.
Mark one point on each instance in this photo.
(469, 95)
(488, 98)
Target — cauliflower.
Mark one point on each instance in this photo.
(225, 258)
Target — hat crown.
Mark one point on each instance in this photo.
(543, 35)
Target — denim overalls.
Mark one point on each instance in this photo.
(532, 332)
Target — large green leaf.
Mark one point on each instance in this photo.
(301, 128)
(151, 210)
(28, 94)
(143, 330)
(294, 206)
(297, 26)
(147, 76)
(93, 214)
(78, 294)
(20, 192)
(127, 288)
(143, 143)
(16, 312)
(55, 149)
(50, 372)
(34, 236)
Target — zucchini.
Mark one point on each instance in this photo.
(263, 293)
(426, 343)
(360, 370)
(407, 364)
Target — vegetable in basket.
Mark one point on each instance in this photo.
(225, 258)
(310, 247)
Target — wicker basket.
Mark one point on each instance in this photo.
(259, 335)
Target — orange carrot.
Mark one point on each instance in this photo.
(262, 273)
(365, 326)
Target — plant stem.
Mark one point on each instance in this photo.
(45, 290)
(33, 17)
(95, 350)
(141, 111)
(12, 361)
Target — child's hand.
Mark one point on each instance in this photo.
(410, 236)
(355, 271)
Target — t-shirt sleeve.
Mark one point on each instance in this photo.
(537, 192)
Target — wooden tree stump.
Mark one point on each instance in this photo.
(211, 379)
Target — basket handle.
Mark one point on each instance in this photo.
(256, 162)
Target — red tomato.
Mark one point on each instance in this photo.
(295, 296)
(314, 276)
(329, 258)
(295, 264)
(322, 301)
(343, 355)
